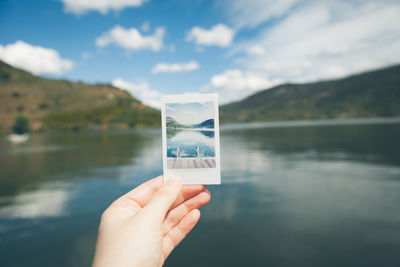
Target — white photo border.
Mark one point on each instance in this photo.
(200, 175)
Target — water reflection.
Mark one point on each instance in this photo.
(289, 196)
(366, 143)
(303, 196)
(58, 156)
(186, 141)
(48, 200)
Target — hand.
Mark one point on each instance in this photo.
(142, 227)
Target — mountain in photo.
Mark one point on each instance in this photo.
(205, 124)
(172, 123)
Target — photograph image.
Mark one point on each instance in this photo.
(190, 135)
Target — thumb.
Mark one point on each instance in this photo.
(164, 198)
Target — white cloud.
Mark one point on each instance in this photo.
(235, 84)
(256, 50)
(132, 39)
(141, 91)
(103, 6)
(35, 59)
(249, 14)
(175, 67)
(172, 48)
(219, 35)
(327, 40)
(86, 55)
(145, 26)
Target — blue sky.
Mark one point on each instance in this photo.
(190, 113)
(234, 47)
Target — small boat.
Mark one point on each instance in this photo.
(18, 138)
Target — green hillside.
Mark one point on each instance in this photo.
(63, 105)
(370, 94)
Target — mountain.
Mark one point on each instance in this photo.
(172, 123)
(205, 124)
(370, 94)
(65, 105)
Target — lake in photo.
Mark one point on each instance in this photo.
(311, 193)
(196, 149)
(187, 140)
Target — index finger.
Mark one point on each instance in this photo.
(141, 195)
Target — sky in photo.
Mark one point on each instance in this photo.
(190, 113)
(233, 47)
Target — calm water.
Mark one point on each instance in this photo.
(187, 140)
(291, 196)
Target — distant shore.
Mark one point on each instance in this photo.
(242, 125)
(193, 129)
(305, 123)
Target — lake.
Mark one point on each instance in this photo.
(187, 140)
(293, 194)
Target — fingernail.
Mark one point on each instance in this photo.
(174, 180)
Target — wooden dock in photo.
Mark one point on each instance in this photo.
(191, 163)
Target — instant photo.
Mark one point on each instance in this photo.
(190, 128)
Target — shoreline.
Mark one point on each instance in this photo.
(239, 125)
(309, 123)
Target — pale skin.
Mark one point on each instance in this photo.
(141, 228)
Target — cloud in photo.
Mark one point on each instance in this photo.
(219, 35)
(103, 6)
(175, 67)
(190, 113)
(132, 39)
(35, 59)
(141, 91)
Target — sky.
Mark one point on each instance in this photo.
(190, 113)
(232, 47)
